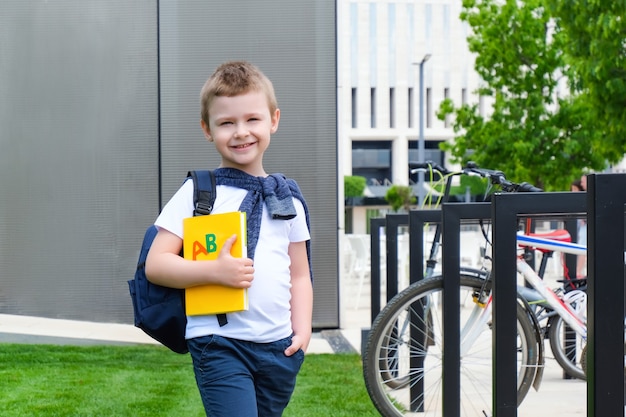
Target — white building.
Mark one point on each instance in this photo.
(381, 44)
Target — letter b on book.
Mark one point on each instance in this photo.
(211, 244)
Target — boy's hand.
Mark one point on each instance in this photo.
(297, 343)
(234, 272)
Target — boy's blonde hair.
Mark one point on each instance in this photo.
(232, 79)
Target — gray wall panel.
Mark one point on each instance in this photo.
(79, 159)
(80, 149)
(294, 44)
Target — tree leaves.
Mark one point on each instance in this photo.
(536, 130)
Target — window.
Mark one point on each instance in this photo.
(372, 160)
(431, 153)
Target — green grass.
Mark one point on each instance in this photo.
(50, 380)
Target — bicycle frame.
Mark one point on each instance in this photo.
(551, 245)
(553, 300)
(469, 334)
(541, 291)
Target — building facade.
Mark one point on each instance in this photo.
(381, 45)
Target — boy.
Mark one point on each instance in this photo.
(248, 365)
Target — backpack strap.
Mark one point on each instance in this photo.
(204, 192)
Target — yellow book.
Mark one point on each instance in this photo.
(203, 239)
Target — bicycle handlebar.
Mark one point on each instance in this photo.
(496, 177)
(526, 187)
(426, 166)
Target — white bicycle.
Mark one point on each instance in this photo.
(402, 361)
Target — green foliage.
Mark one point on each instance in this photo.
(594, 48)
(532, 134)
(353, 185)
(400, 196)
(477, 185)
(46, 380)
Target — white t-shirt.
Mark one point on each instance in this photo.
(269, 317)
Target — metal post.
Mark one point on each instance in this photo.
(606, 197)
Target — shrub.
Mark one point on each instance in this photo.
(353, 185)
(400, 196)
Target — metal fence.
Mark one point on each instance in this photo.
(604, 207)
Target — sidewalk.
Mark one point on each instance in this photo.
(26, 329)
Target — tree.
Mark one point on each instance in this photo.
(534, 133)
(596, 51)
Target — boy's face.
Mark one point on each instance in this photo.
(241, 126)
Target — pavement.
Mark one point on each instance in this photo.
(556, 396)
(27, 329)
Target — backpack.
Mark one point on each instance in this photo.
(160, 311)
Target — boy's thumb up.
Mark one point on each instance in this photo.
(228, 245)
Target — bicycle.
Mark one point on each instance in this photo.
(404, 345)
(568, 346)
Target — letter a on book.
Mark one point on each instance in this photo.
(203, 239)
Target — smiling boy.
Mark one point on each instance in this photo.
(248, 366)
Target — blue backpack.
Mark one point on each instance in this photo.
(160, 311)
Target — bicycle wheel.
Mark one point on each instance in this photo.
(568, 347)
(404, 352)
(583, 361)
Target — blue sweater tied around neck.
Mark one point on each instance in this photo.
(275, 191)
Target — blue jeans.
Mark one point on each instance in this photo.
(244, 379)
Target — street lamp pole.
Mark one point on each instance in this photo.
(420, 143)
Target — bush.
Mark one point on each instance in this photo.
(400, 196)
(353, 185)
